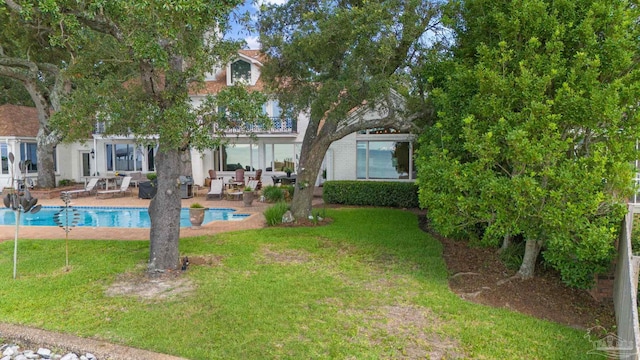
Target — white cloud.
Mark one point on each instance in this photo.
(253, 42)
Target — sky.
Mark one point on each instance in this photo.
(252, 6)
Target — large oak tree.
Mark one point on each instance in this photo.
(158, 51)
(338, 62)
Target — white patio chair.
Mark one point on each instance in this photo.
(91, 186)
(124, 188)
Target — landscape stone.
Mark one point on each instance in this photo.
(45, 353)
(10, 350)
(70, 356)
(20, 357)
(288, 217)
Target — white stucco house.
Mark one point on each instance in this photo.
(376, 154)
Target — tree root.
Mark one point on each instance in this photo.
(463, 274)
(472, 295)
(517, 276)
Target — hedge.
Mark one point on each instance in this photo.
(372, 193)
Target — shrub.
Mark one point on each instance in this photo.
(272, 194)
(65, 182)
(196, 205)
(287, 191)
(152, 176)
(373, 193)
(274, 213)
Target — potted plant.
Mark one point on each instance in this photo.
(288, 170)
(196, 215)
(247, 196)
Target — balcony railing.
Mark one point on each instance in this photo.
(279, 126)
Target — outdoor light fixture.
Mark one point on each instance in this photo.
(93, 154)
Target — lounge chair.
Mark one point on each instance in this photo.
(91, 186)
(217, 188)
(124, 188)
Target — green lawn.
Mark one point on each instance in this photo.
(371, 285)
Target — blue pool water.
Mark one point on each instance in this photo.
(124, 217)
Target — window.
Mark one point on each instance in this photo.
(385, 160)
(280, 156)
(124, 157)
(151, 157)
(29, 154)
(240, 156)
(240, 70)
(4, 155)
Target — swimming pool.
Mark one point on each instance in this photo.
(123, 217)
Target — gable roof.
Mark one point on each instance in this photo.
(16, 120)
(253, 55)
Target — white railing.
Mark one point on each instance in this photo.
(625, 292)
(279, 126)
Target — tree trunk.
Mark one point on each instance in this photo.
(531, 251)
(46, 166)
(164, 212)
(506, 242)
(311, 156)
(46, 141)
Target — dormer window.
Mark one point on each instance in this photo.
(240, 71)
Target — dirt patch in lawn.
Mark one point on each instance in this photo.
(285, 256)
(476, 272)
(414, 329)
(161, 286)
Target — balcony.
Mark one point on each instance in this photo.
(279, 126)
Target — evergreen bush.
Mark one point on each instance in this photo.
(371, 193)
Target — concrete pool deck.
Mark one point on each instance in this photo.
(256, 220)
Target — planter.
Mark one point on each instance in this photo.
(247, 198)
(196, 216)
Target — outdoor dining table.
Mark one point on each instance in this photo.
(284, 179)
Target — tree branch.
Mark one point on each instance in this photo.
(13, 6)
(393, 103)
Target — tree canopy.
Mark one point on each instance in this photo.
(329, 58)
(536, 129)
(135, 74)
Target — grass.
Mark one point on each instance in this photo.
(371, 285)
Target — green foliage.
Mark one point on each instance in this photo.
(537, 125)
(65, 182)
(635, 235)
(248, 189)
(152, 176)
(274, 213)
(272, 193)
(196, 205)
(373, 193)
(287, 191)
